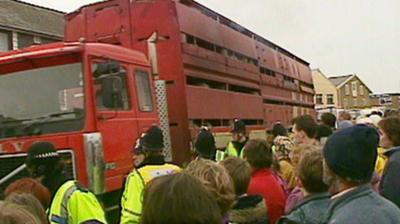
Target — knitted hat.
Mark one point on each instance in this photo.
(42, 153)
(205, 144)
(352, 152)
(153, 140)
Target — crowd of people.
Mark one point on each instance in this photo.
(333, 171)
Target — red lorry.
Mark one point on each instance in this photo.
(126, 64)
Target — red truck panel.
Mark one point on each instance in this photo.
(277, 92)
(267, 56)
(205, 103)
(194, 22)
(305, 72)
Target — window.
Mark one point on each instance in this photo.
(329, 99)
(347, 89)
(355, 104)
(267, 71)
(318, 98)
(345, 103)
(45, 99)
(24, 40)
(47, 40)
(5, 41)
(144, 91)
(354, 88)
(110, 86)
(205, 44)
(361, 89)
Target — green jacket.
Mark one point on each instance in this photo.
(73, 204)
(132, 197)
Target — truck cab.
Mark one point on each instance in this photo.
(91, 100)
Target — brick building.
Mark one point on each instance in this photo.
(352, 92)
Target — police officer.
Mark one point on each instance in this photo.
(205, 144)
(71, 203)
(153, 165)
(239, 140)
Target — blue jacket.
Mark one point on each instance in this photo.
(311, 210)
(390, 182)
(362, 205)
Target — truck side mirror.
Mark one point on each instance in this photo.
(108, 67)
(112, 92)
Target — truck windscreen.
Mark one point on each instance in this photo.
(42, 100)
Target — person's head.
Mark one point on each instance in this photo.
(283, 146)
(149, 146)
(179, 198)
(329, 120)
(138, 152)
(11, 213)
(153, 141)
(205, 144)
(350, 156)
(279, 130)
(344, 116)
(239, 131)
(298, 150)
(389, 129)
(240, 172)
(310, 172)
(258, 153)
(216, 180)
(30, 186)
(323, 132)
(30, 203)
(43, 161)
(304, 129)
(344, 124)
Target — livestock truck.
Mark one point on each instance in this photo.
(127, 64)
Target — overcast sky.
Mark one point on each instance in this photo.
(337, 36)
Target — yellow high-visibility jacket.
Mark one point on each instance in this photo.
(132, 197)
(73, 204)
(229, 151)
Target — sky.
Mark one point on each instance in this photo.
(337, 36)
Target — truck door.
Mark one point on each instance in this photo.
(114, 94)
